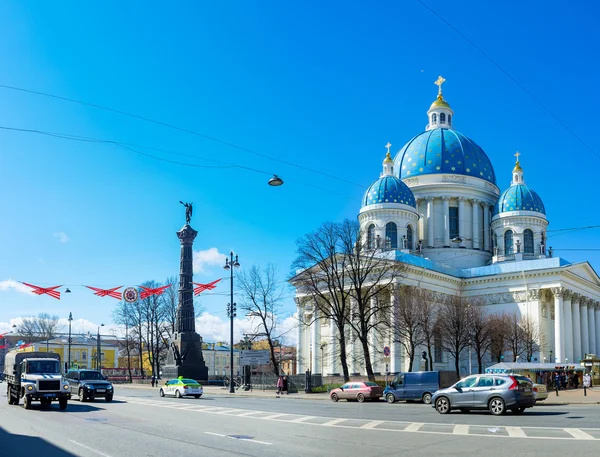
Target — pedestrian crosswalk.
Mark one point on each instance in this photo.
(384, 425)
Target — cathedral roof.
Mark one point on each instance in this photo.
(388, 189)
(519, 197)
(443, 150)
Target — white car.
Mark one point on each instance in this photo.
(540, 392)
(181, 387)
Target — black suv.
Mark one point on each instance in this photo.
(89, 384)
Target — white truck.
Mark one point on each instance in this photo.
(35, 376)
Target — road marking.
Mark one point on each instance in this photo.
(215, 434)
(333, 422)
(414, 427)
(89, 448)
(579, 434)
(238, 439)
(515, 432)
(273, 416)
(249, 413)
(371, 424)
(302, 419)
(460, 429)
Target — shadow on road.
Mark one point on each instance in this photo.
(527, 413)
(17, 445)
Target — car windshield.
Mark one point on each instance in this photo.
(371, 384)
(188, 381)
(91, 376)
(43, 366)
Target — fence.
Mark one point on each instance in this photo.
(296, 383)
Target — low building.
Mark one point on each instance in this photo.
(217, 358)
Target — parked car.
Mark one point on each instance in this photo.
(359, 391)
(497, 393)
(540, 392)
(181, 387)
(89, 385)
(418, 386)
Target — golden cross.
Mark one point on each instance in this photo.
(439, 83)
(517, 155)
(388, 146)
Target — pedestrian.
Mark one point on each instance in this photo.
(153, 380)
(279, 385)
(285, 385)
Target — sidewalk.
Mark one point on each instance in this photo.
(573, 397)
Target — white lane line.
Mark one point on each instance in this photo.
(89, 448)
(515, 432)
(460, 429)
(579, 434)
(333, 422)
(249, 413)
(231, 411)
(302, 419)
(414, 427)
(273, 416)
(372, 424)
(238, 439)
(215, 434)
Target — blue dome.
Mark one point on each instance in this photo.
(388, 189)
(519, 197)
(443, 151)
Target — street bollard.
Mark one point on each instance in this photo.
(557, 389)
(584, 391)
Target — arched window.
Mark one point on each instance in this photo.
(449, 119)
(508, 243)
(391, 236)
(409, 237)
(371, 236)
(442, 118)
(528, 242)
(434, 118)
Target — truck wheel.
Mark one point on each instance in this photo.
(427, 398)
(62, 403)
(390, 398)
(27, 402)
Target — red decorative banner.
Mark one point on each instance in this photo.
(25, 345)
(4, 346)
(148, 292)
(202, 287)
(107, 292)
(44, 290)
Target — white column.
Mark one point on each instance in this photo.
(559, 339)
(584, 333)
(316, 343)
(568, 325)
(446, 205)
(353, 365)
(300, 354)
(576, 330)
(372, 338)
(461, 220)
(395, 352)
(597, 311)
(475, 224)
(592, 326)
(430, 222)
(486, 227)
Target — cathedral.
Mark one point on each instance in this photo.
(437, 207)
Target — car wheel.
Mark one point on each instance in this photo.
(62, 403)
(427, 398)
(334, 398)
(108, 398)
(27, 402)
(197, 396)
(390, 398)
(81, 395)
(177, 394)
(518, 410)
(161, 393)
(442, 405)
(497, 406)
(360, 398)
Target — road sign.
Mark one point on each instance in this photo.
(386, 351)
(251, 357)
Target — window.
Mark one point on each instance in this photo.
(371, 237)
(434, 118)
(442, 118)
(391, 236)
(485, 381)
(499, 381)
(528, 242)
(449, 119)
(467, 382)
(508, 243)
(453, 222)
(409, 237)
(346, 386)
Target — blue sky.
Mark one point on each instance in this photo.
(314, 86)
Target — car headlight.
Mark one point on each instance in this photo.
(66, 386)
(30, 388)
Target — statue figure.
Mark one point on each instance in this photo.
(188, 211)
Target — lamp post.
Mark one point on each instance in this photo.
(98, 351)
(230, 264)
(69, 356)
(551, 359)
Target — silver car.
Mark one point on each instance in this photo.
(493, 392)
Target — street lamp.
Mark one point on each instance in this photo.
(230, 264)
(98, 351)
(69, 356)
(551, 359)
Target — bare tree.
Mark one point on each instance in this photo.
(261, 301)
(122, 316)
(40, 328)
(479, 331)
(454, 326)
(428, 320)
(531, 336)
(515, 335)
(408, 330)
(499, 331)
(170, 298)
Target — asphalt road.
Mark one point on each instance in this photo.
(140, 423)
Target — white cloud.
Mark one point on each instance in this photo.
(11, 284)
(62, 236)
(209, 257)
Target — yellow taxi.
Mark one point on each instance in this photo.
(181, 387)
